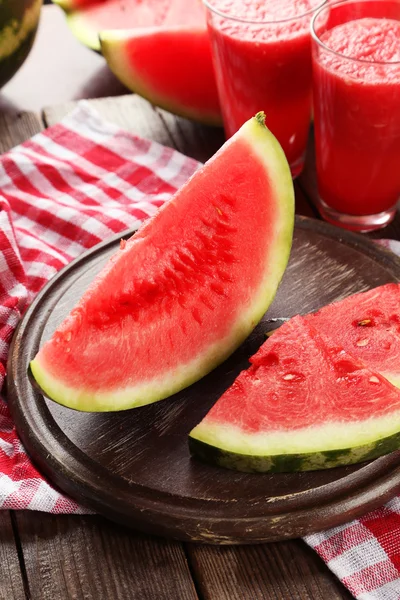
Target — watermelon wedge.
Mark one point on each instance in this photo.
(182, 294)
(159, 49)
(306, 404)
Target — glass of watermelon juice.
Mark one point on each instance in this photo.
(356, 69)
(262, 61)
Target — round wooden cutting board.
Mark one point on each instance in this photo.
(134, 466)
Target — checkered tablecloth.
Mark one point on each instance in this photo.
(62, 192)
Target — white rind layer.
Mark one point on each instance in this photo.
(332, 436)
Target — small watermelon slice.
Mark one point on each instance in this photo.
(170, 67)
(182, 294)
(159, 49)
(305, 405)
(89, 18)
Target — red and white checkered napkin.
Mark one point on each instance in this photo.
(64, 191)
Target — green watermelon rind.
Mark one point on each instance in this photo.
(64, 4)
(113, 51)
(83, 32)
(266, 148)
(18, 30)
(205, 443)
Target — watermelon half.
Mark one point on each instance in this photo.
(159, 49)
(183, 293)
(303, 404)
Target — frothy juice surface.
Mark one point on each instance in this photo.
(265, 65)
(357, 116)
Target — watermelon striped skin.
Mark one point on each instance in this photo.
(18, 24)
(291, 463)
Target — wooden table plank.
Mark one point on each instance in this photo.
(12, 584)
(90, 558)
(16, 129)
(269, 571)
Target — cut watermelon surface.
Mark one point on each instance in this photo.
(306, 404)
(90, 18)
(159, 49)
(171, 67)
(367, 325)
(182, 294)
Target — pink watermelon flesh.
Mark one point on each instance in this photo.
(183, 292)
(125, 14)
(367, 325)
(181, 79)
(69, 5)
(304, 404)
(159, 49)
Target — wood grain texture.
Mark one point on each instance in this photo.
(277, 571)
(11, 579)
(190, 138)
(89, 558)
(18, 128)
(130, 112)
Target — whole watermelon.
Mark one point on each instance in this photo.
(18, 24)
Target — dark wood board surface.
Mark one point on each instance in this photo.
(77, 557)
(134, 466)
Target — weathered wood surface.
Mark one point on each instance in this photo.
(89, 557)
(263, 572)
(12, 577)
(85, 557)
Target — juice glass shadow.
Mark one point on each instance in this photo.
(356, 68)
(262, 61)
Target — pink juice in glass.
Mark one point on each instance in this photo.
(357, 119)
(262, 60)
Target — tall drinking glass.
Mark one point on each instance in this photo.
(356, 64)
(262, 60)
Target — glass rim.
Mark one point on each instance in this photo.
(318, 40)
(220, 13)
